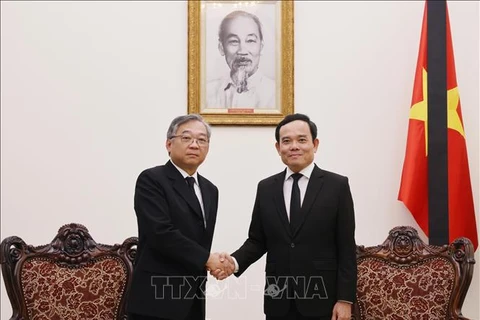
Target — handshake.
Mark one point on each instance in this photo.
(220, 265)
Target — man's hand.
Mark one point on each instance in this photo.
(220, 265)
(342, 311)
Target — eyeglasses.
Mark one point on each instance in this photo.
(188, 140)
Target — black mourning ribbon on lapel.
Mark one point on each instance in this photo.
(295, 203)
(191, 183)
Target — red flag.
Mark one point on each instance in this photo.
(414, 184)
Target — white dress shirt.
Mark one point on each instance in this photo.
(196, 187)
(302, 184)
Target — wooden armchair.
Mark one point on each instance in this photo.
(71, 278)
(404, 278)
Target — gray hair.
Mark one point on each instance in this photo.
(178, 121)
(233, 15)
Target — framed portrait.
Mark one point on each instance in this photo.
(240, 61)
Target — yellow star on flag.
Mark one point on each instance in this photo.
(419, 110)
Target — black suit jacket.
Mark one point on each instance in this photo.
(173, 244)
(319, 255)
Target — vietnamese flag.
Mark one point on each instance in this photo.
(435, 184)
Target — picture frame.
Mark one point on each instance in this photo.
(241, 61)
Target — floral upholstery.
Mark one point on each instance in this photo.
(71, 278)
(55, 292)
(420, 291)
(405, 279)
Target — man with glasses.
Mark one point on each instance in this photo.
(176, 211)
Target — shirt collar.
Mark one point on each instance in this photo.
(185, 174)
(306, 172)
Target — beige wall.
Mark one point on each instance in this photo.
(89, 88)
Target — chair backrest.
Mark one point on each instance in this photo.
(404, 278)
(73, 277)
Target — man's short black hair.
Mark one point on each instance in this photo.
(294, 117)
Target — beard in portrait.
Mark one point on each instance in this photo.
(240, 42)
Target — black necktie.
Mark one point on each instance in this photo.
(191, 183)
(295, 203)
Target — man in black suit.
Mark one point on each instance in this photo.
(303, 218)
(176, 211)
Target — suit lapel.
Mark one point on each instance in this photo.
(314, 186)
(280, 200)
(205, 196)
(182, 188)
